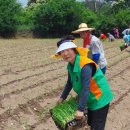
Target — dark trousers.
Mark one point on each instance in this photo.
(104, 70)
(97, 118)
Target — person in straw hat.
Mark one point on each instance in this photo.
(89, 83)
(94, 44)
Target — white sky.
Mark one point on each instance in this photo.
(23, 2)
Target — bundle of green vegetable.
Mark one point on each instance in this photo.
(64, 112)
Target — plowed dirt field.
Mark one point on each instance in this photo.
(31, 82)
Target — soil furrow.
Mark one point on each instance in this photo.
(30, 87)
(117, 101)
(27, 77)
(32, 84)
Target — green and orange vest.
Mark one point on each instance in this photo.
(100, 93)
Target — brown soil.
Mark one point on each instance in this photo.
(31, 83)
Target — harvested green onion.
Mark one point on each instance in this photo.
(64, 112)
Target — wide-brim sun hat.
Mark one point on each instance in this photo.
(83, 27)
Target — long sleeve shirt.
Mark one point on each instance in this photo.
(97, 50)
(86, 74)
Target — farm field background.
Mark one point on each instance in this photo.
(31, 82)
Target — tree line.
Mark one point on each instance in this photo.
(55, 18)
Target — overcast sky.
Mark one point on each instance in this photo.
(23, 2)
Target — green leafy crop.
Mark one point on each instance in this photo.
(64, 112)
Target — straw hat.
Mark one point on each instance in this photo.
(82, 27)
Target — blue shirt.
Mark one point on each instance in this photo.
(126, 38)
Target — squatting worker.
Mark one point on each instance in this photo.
(88, 81)
(94, 44)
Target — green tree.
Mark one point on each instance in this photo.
(25, 20)
(105, 23)
(114, 15)
(9, 10)
(31, 1)
(34, 2)
(122, 19)
(60, 17)
(119, 5)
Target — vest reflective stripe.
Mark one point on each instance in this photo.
(95, 90)
(100, 93)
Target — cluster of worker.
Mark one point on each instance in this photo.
(115, 35)
(86, 68)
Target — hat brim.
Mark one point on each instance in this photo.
(66, 45)
(82, 51)
(83, 29)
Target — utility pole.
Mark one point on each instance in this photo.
(95, 6)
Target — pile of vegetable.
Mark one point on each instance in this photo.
(64, 112)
